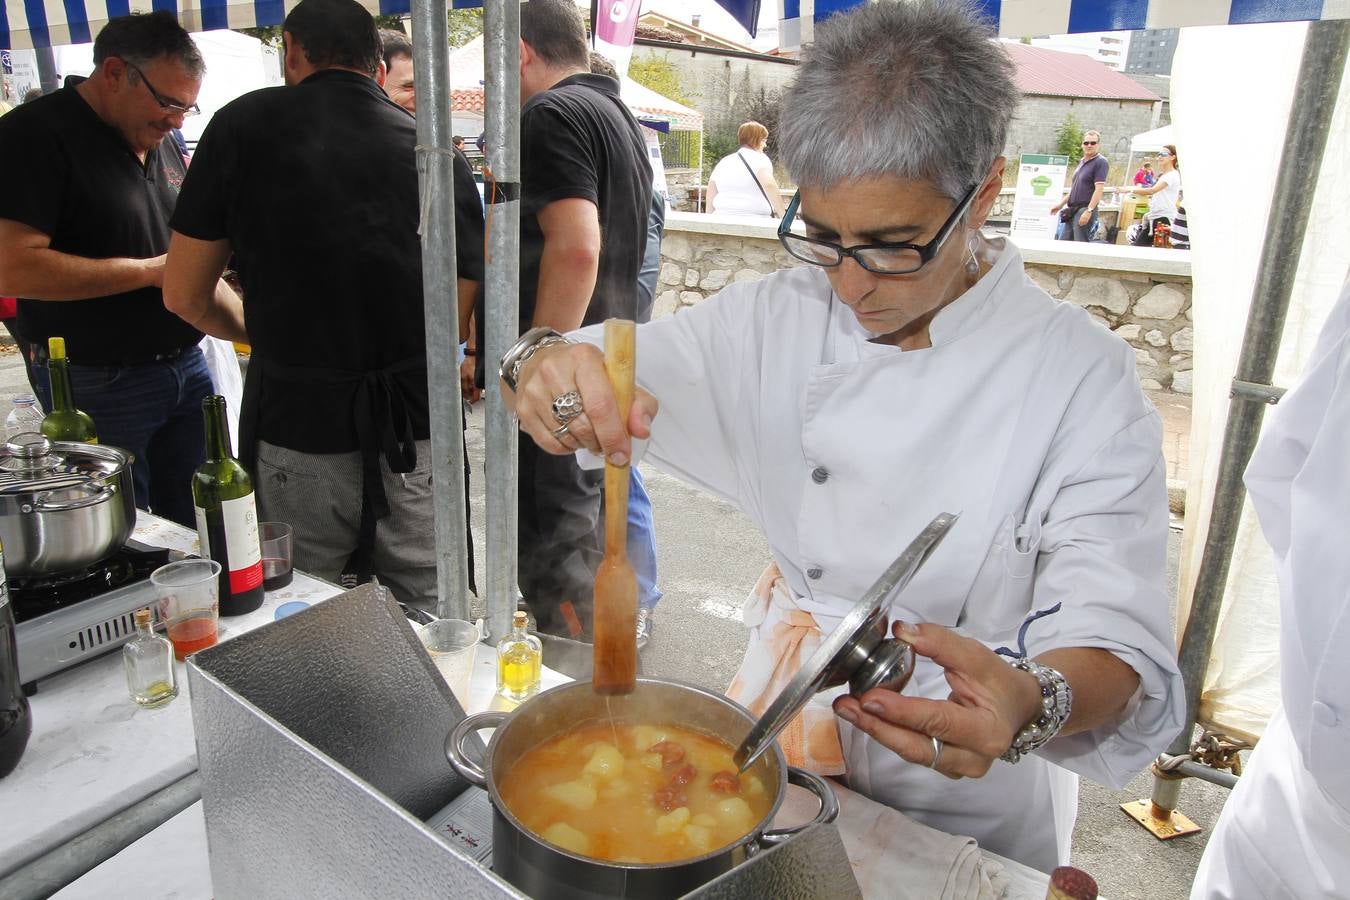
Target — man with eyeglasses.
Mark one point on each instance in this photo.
(82, 241)
(1085, 193)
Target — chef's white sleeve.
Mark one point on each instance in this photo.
(1103, 558)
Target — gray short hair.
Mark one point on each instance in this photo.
(920, 90)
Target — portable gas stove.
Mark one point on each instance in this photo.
(65, 619)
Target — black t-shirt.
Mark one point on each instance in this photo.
(73, 177)
(578, 140)
(315, 187)
(469, 233)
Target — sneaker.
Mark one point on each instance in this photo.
(644, 626)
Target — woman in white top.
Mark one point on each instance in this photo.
(913, 368)
(742, 183)
(1164, 195)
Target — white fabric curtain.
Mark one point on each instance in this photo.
(1231, 92)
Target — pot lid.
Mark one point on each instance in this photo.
(847, 653)
(31, 462)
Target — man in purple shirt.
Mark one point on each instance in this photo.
(1089, 179)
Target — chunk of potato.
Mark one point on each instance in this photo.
(735, 814)
(568, 838)
(752, 785)
(703, 820)
(646, 735)
(651, 761)
(700, 838)
(572, 793)
(673, 821)
(605, 762)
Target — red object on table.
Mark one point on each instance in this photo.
(9, 307)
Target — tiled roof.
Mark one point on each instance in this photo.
(1044, 71)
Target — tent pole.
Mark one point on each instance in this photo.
(1310, 113)
(501, 70)
(435, 164)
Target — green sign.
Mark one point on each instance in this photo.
(1044, 159)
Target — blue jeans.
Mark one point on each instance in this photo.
(154, 412)
(1075, 232)
(642, 540)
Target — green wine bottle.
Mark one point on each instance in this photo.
(227, 519)
(64, 422)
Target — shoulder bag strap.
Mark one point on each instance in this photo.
(755, 179)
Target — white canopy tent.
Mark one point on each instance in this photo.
(1152, 141)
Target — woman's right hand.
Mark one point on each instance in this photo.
(556, 370)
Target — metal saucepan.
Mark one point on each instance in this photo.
(63, 506)
(541, 869)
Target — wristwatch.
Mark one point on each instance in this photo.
(1056, 704)
(519, 353)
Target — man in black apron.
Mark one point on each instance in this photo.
(313, 189)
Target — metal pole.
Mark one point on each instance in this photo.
(435, 163)
(47, 74)
(501, 70)
(1314, 101)
(58, 867)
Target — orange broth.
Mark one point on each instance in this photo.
(661, 793)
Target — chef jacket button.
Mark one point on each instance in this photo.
(814, 573)
(820, 474)
(1324, 715)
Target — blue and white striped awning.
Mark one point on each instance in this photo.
(1029, 18)
(47, 23)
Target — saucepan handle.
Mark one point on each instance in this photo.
(104, 492)
(454, 744)
(829, 806)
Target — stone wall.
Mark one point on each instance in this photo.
(1033, 127)
(1150, 310)
(716, 84)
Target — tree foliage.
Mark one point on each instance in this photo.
(1069, 140)
(661, 76)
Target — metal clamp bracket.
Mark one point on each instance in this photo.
(1250, 390)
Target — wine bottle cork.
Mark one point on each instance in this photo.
(1068, 883)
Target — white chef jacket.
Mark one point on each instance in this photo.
(1285, 831)
(1026, 417)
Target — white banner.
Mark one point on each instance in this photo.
(1040, 185)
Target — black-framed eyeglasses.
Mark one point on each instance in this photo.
(885, 258)
(1089, 143)
(164, 102)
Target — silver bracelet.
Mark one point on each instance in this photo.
(523, 350)
(1056, 704)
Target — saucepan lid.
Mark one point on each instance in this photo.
(31, 462)
(859, 652)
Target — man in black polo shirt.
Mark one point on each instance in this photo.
(84, 224)
(313, 188)
(586, 192)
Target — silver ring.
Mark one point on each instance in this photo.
(560, 432)
(937, 752)
(567, 407)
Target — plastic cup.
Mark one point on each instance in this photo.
(453, 643)
(189, 606)
(275, 540)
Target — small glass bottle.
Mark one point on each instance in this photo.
(519, 656)
(26, 416)
(148, 658)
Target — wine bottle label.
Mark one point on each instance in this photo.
(229, 535)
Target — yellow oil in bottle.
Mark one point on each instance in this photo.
(519, 659)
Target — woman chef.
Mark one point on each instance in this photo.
(913, 368)
(1285, 830)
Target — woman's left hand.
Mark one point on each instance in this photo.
(990, 702)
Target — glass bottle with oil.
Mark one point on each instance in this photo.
(148, 659)
(519, 656)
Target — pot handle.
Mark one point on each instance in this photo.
(829, 806)
(454, 744)
(105, 492)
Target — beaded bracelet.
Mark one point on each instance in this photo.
(1056, 704)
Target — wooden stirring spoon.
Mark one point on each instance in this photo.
(615, 662)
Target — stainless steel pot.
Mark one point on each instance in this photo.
(542, 870)
(63, 506)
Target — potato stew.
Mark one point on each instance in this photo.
(635, 793)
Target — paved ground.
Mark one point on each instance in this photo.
(710, 555)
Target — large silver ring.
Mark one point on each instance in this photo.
(560, 431)
(567, 407)
(937, 752)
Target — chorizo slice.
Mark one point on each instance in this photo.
(672, 754)
(726, 783)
